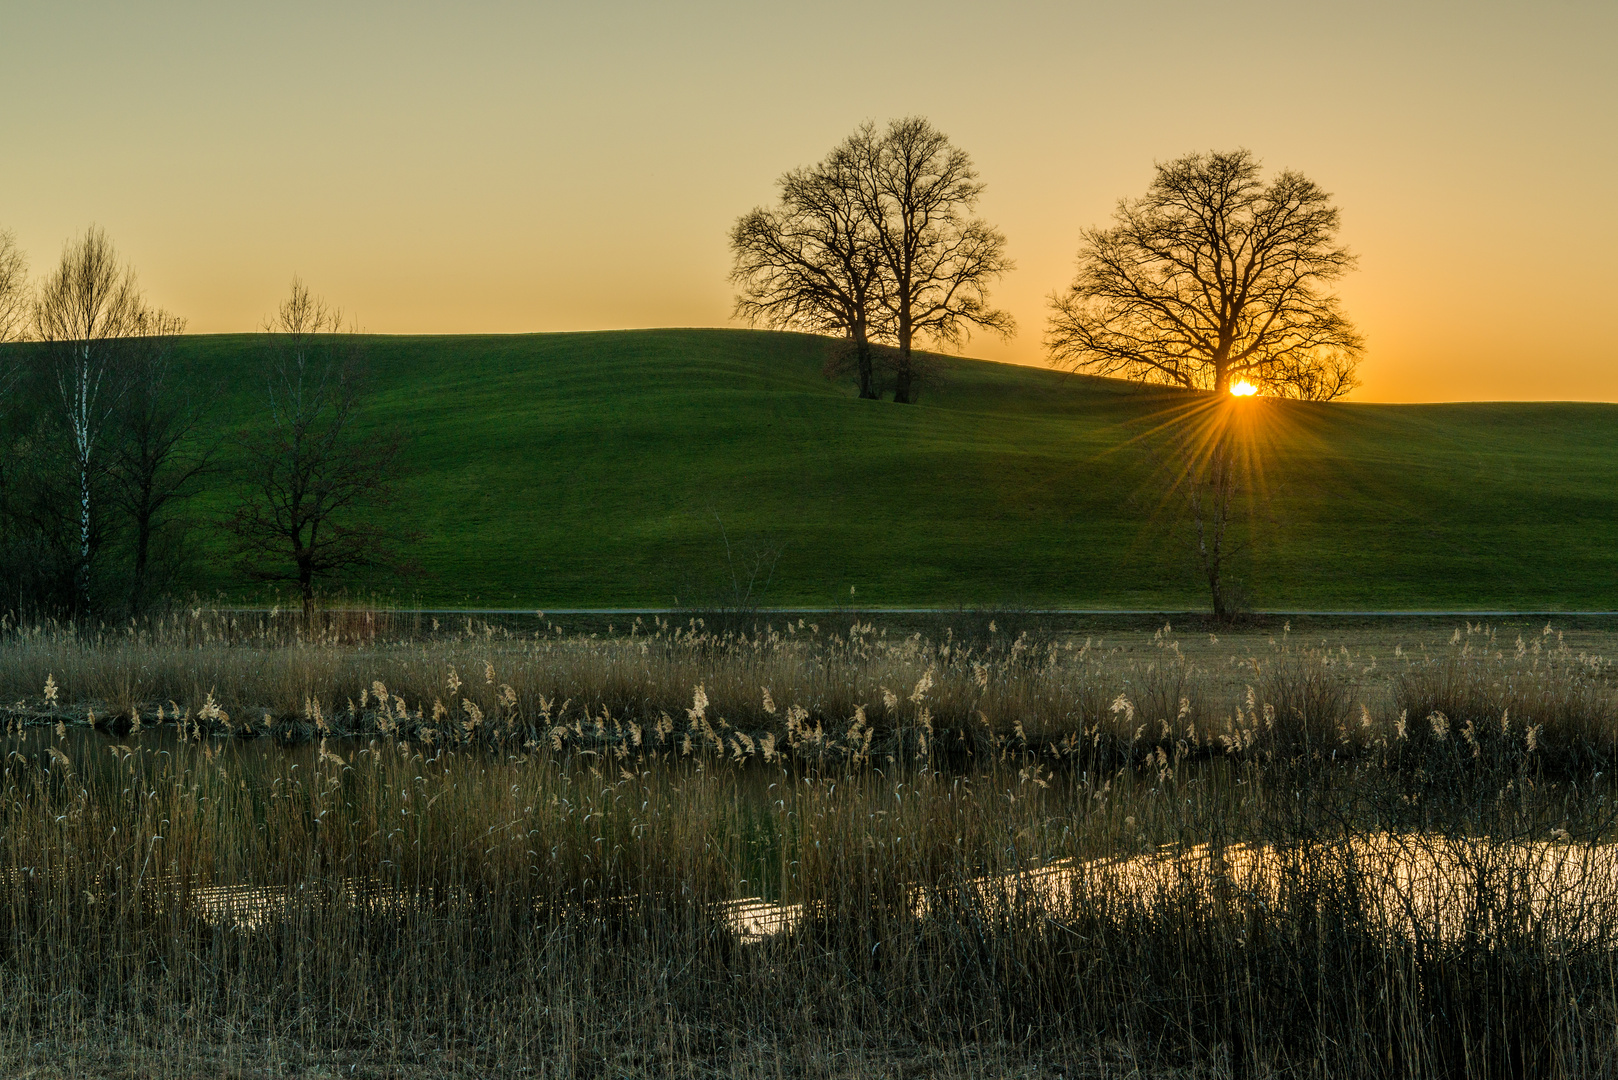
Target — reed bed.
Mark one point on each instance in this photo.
(811, 851)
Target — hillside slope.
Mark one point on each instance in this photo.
(613, 468)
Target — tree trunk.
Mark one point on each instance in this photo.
(1210, 512)
(902, 376)
(306, 587)
(862, 352)
(143, 544)
(83, 576)
(1221, 363)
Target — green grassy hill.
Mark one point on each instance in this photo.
(609, 469)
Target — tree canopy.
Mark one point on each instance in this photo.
(812, 262)
(1214, 277)
(877, 241)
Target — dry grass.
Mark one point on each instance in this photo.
(479, 853)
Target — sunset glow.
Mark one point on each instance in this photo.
(1243, 389)
(441, 204)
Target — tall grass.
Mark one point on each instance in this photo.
(984, 857)
(269, 676)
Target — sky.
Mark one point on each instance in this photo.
(485, 166)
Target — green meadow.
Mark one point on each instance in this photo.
(672, 467)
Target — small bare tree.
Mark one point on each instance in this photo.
(15, 307)
(812, 263)
(86, 307)
(16, 303)
(1214, 277)
(1217, 497)
(313, 477)
(1207, 459)
(161, 454)
(918, 191)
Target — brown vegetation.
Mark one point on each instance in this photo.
(998, 855)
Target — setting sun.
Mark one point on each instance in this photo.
(1243, 389)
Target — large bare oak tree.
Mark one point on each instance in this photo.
(919, 191)
(1213, 277)
(878, 241)
(811, 263)
(314, 478)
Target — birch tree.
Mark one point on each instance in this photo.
(86, 307)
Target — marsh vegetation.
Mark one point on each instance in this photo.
(230, 846)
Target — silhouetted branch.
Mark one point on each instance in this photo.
(1213, 277)
(314, 479)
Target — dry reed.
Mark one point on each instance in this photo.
(484, 853)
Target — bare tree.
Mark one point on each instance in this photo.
(15, 305)
(812, 263)
(15, 302)
(161, 454)
(918, 192)
(86, 307)
(314, 477)
(15, 308)
(1207, 456)
(1214, 277)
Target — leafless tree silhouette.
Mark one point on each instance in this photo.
(162, 450)
(878, 242)
(919, 190)
(1207, 458)
(15, 301)
(15, 305)
(1213, 277)
(314, 478)
(811, 263)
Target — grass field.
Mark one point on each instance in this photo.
(610, 469)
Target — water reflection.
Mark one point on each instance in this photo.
(1419, 885)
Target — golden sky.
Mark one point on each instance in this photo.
(520, 166)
